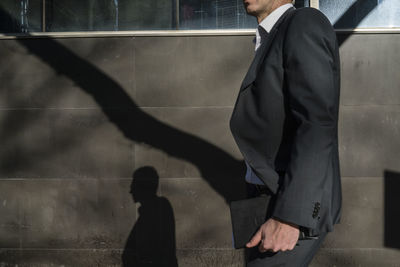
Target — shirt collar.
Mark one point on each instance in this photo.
(270, 21)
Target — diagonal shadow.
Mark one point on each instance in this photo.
(216, 166)
(354, 14)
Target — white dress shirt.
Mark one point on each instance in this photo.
(270, 21)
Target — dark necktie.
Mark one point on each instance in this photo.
(263, 34)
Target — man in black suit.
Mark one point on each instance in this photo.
(285, 124)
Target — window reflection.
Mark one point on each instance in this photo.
(214, 14)
(77, 15)
(109, 15)
(22, 16)
(362, 13)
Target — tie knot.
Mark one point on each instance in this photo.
(263, 33)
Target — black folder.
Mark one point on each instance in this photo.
(247, 216)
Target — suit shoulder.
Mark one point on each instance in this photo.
(311, 22)
(309, 17)
(309, 27)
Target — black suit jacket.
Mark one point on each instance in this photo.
(286, 115)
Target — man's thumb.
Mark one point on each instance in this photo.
(255, 240)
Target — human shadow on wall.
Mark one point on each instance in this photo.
(392, 209)
(218, 168)
(152, 239)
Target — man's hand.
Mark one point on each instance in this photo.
(276, 236)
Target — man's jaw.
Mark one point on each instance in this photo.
(249, 8)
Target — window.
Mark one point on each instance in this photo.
(22, 16)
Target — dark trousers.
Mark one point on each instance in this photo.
(300, 256)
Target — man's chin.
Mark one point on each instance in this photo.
(251, 11)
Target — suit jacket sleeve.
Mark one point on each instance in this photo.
(309, 64)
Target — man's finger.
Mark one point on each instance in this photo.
(264, 247)
(261, 248)
(255, 240)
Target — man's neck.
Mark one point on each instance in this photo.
(266, 13)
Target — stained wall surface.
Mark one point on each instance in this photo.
(116, 150)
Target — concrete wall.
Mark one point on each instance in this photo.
(81, 118)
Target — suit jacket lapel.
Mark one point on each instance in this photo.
(261, 52)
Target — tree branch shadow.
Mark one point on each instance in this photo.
(354, 14)
(216, 166)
